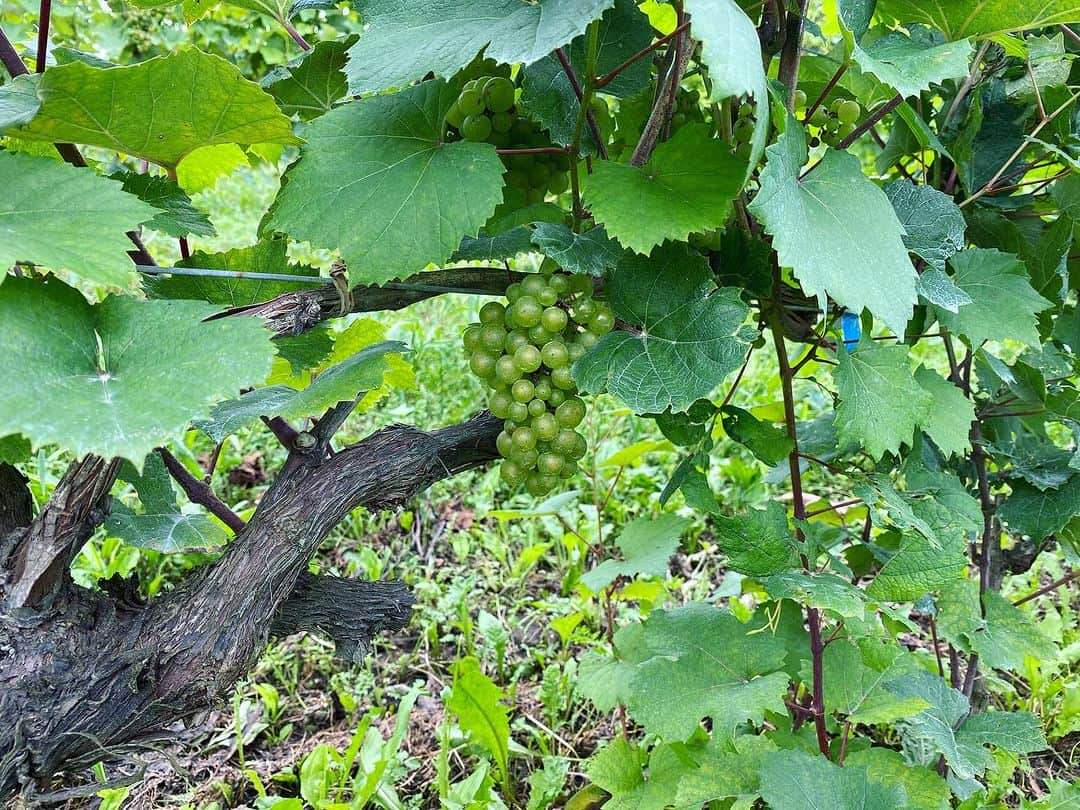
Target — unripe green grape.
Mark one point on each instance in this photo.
(526, 311)
(504, 444)
(515, 339)
(565, 441)
(492, 312)
(555, 354)
(587, 340)
(602, 322)
(547, 297)
(499, 94)
(513, 292)
(800, 100)
(519, 413)
(560, 378)
(492, 337)
(482, 364)
(845, 130)
(546, 426)
(470, 102)
(454, 116)
(536, 406)
(558, 183)
(580, 448)
(522, 391)
(746, 110)
(506, 370)
(849, 111)
(513, 473)
(569, 469)
(570, 413)
(533, 284)
(556, 398)
(583, 311)
(539, 335)
(549, 463)
(501, 123)
(534, 485)
(470, 338)
(575, 351)
(476, 128)
(524, 438)
(509, 426)
(499, 404)
(559, 283)
(526, 458)
(554, 319)
(528, 358)
(819, 117)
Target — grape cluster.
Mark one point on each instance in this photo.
(485, 111)
(523, 351)
(835, 122)
(742, 131)
(687, 109)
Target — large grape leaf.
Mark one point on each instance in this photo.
(705, 664)
(66, 218)
(160, 525)
(797, 780)
(405, 39)
(964, 18)
(186, 99)
(858, 691)
(911, 62)
(377, 183)
(1003, 303)
(836, 230)
(309, 86)
(726, 768)
(120, 377)
(759, 543)
(687, 186)
(547, 94)
(1001, 633)
(881, 403)
(732, 51)
(684, 335)
(823, 590)
(918, 568)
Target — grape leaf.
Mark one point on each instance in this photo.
(363, 371)
(836, 230)
(546, 92)
(1019, 732)
(376, 182)
(1002, 637)
(769, 444)
(911, 62)
(726, 768)
(646, 545)
(477, 703)
(964, 18)
(308, 87)
(951, 414)
(200, 170)
(1028, 510)
(933, 224)
(120, 377)
(732, 51)
(160, 525)
(505, 245)
(686, 336)
(188, 99)
(824, 590)
(925, 789)
(178, 216)
(881, 403)
(405, 39)
(687, 186)
(704, 664)
(18, 102)
(797, 780)
(591, 252)
(1003, 302)
(857, 691)
(264, 257)
(937, 287)
(605, 680)
(759, 543)
(66, 219)
(14, 449)
(619, 767)
(918, 568)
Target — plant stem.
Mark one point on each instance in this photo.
(199, 492)
(650, 133)
(1053, 586)
(791, 51)
(813, 617)
(874, 117)
(44, 15)
(840, 71)
(608, 77)
(533, 150)
(673, 90)
(590, 119)
(297, 37)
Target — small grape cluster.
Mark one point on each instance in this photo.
(742, 131)
(485, 111)
(687, 109)
(835, 122)
(523, 351)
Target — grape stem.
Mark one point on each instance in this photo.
(610, 76)
(594, 128)
(44, 14)
(297, 37)
(534, 150)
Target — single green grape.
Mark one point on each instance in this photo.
(524, 438)
(565, 441)
(555, 354)
(557, 398)
(819, 116)
(800, 100)
(571, 413)
(512, 473)
(470, 102)
(849, 111)
(580, 448)
(470, 338)
(482, 364)
(499, 404)
(539, 335)
(501, 123)
(526, 311)
(492, 337)
(542, 388)
(583, 311)
(537, 406)
(559, 283)
(546, 426)
(547, 297)
(587, 339)
(602, 322)
(533, 283)
(513, 292)
(522, 391)
(506, 370)
(454, 116)
(845, 130)
(528, 358)
(519, 413)
(504, 444)
(492, 312)
(515, 339)
(554, 319)
(549, 463)
(560, 378)
(499, 94)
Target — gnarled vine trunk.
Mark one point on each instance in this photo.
(84, 674)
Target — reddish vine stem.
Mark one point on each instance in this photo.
(590, 119)
(937, 647)
(297, 37)
(1053, 586)
(608, 77)
(840, 71)
(874, 117)
(199, 492)
(282, 430)
(673, 90)
(813, 616)
(44, 16)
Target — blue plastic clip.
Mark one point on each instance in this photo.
(851, 328)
